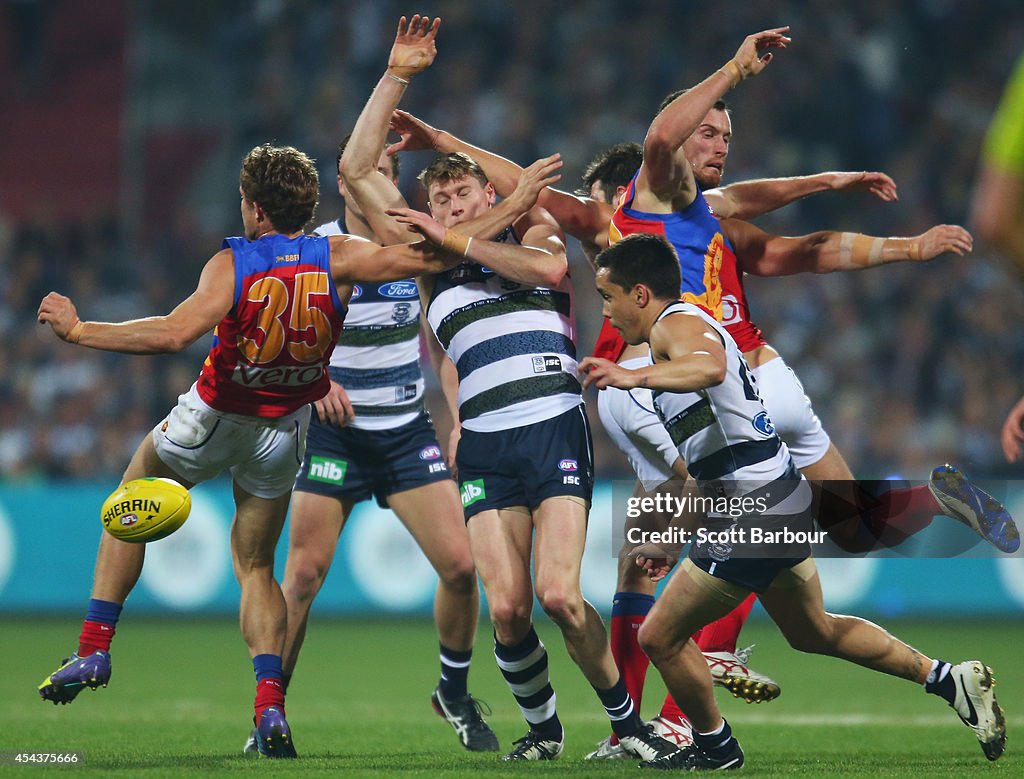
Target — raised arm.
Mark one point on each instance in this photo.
(413, 51)
(583, 218)
(764, 254)
(666, 180)
(750, 199)
(195, 316)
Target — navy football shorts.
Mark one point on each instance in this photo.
(526, 465)
(345, 462)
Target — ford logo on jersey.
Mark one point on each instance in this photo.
(398, 289)
(763, 424)
(568, 465)
(430, 452)
(357, 291)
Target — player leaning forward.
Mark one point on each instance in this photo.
(524, 458)
(705, 398)
(276, 300)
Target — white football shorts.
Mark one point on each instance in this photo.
(791, 412)
(633, 425)
(263, 455)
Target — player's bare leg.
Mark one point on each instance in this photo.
(313, 529)
(118, 567)
(501, 542)
(263, 612)
(433, 515)
(967, 687)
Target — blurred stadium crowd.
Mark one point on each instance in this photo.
(907, 366)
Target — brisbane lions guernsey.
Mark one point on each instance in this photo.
(711, 278)
(270, 353)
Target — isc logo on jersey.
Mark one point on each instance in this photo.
(763, 424)
(398, 290)
(430, 452)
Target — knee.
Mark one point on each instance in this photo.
(816, 638)
(653, 641)
(304, 577)
(459, 575)
(511, 619)
(564, 605)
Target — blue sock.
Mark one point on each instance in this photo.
(454, 673)
(103, 611)
(267, 667)
(711, 741)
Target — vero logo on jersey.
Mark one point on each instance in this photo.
(399, 290)
(327, 470)
(472, 491)
(763, 424)
(430, 452)
(289, 376)
(569, 466)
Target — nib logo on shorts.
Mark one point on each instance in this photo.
(327, 470)
(472, 491)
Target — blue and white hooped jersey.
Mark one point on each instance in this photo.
(723, 433)
(377, 359)
(514, 345)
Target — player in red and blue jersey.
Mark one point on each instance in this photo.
(277, 300)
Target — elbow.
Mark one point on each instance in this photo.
(717, 374)
(172, 343)
(657, 143)
(554, 271)
(352, 168)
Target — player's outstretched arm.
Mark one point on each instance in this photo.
(413, 51)
(582, 218)
(665, 174)
(750, 199)
(195, 316)
(764, 254)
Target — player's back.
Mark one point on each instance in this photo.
(270, 352)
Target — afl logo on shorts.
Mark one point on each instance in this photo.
(398, 290)
(763, 424)
(569, 466)
(430, 452)
(357, 292)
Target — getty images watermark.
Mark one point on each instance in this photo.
(786, 518)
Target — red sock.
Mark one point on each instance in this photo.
(901, 513)
(269, 692)
(722, 634)
(628, 613)
(95, 637)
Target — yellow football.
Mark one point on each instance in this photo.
(146, 509)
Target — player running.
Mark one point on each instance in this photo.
(708, 401)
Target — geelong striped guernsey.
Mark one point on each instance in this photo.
(514, 345)
(377, 359)
(723, 432)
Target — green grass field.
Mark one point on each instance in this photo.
(180, 703)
